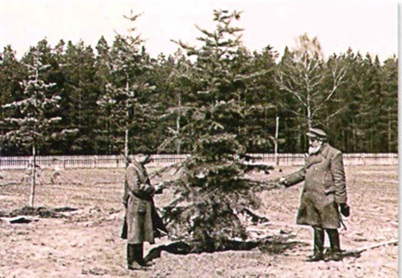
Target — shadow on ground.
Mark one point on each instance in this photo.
(39, 211)
(271, 245)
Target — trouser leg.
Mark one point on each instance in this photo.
(318, 245)
(134, 256)
(142, 262)
(335, 253)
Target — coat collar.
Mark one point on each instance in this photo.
(139, 167)
(324, 150)
(318, 157)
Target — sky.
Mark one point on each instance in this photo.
(364, 26)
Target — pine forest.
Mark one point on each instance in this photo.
(215, 97)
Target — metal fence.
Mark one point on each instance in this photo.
(117, 161)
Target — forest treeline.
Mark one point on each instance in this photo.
(74, 99)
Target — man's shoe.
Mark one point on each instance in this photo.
(333, 256)
(135, 266)
(145, 263)
(134, 257)
(316, 257)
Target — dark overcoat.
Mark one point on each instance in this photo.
(323, 190)
(137, 197)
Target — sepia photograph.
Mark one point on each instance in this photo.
(180, 139)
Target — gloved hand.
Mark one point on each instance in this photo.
(345, 209)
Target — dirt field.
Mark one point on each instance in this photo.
(85, 241)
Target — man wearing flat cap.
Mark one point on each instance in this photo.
(323, 194)
(141, 222)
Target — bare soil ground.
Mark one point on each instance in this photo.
(79, 235)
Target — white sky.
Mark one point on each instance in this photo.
(365, 26)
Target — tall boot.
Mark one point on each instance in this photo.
(133, 256)
(141, 260)
(318, 254)
(335, 253)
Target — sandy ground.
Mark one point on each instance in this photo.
(85, 241)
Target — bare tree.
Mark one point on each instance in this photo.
(309, 78)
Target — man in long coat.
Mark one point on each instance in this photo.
(138, 200)
(323, 194)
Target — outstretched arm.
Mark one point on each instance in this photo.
(293, 178)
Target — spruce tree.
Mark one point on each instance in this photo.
(105, 127)
(11, 72)
(175, 97)
(211, 184)
(127, 86)
(34, 113)
(390, 103)
(79, 96)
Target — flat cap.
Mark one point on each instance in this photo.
(316, 133)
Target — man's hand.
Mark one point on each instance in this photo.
(282, 182)
(159, 189)
(345, 209)
(147, 188)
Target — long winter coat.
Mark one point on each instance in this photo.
(324, 188)
(137, 197)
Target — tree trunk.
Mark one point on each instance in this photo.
(33, 176)
(354, 148)
(178, 147)
(126, 152)
(276, 141)
(178, 127)
(126, 132)
(389, 131)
